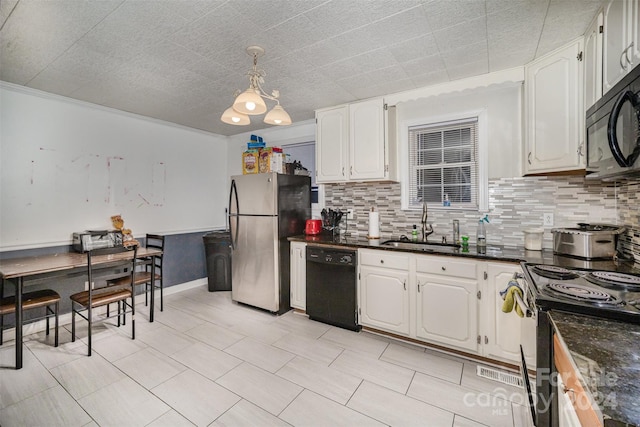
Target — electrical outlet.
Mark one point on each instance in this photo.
(547, 219)
(349, 213)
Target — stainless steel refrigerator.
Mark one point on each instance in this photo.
(265, 209)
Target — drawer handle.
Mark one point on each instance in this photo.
(444, 268)
(572, 398)
(405, 285)
(381, 261)
(418, 286)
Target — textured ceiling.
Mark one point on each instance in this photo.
(182, 60)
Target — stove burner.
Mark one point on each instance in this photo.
(611, 278)
(554, 272)
(584, 294)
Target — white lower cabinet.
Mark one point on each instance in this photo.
(502, 332)
(447, 301)
(298, 270)
(567, 416)
(384, 291)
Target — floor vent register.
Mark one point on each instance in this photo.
(499, 376)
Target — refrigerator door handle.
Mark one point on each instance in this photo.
(233, 192)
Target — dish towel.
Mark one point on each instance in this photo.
(510, 300)
(503, 293)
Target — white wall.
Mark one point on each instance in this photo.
(68, 166)
(503, 105)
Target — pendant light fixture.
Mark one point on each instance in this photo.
(250, 102)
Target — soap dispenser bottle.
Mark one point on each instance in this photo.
(414, 233)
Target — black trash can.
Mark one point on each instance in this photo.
(217, 248)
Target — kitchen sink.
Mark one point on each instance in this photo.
(422, 246)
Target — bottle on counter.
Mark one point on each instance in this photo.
(481, 236)
(414, 233)
(456, 231)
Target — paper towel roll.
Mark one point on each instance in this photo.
(374, 225)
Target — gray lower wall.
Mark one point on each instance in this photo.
(184, 261)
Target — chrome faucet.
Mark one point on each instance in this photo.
(427, 229)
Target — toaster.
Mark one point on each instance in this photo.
(96, 239)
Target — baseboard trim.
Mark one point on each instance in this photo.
(65, 319)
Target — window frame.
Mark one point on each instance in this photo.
(483, 185)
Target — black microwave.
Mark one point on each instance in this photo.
(613, 131)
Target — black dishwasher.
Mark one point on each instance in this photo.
(331, 286)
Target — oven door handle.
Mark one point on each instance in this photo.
(525, 308)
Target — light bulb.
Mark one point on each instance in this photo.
(235, 119)
(277, 121)
(250, 106)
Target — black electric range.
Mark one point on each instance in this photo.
(600, 293)
(609, 292)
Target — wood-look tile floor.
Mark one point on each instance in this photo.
(207, 361)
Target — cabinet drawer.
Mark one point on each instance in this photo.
(447, 266)
(384, 259)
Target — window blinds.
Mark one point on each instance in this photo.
(443, 160)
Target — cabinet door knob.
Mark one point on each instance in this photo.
(444, 268)
(381, 261)
(404, 283)
(418, 286)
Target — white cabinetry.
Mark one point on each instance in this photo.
(453, 302)
(554, 111)
(298, 275)
(502, 332)
(351, 143)
(593, 62)
(621, 40)
(384, 291)
(332, 137)
(447, 303)
(567, 416)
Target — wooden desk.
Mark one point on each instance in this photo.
(61, 265)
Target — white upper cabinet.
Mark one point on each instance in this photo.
(621, 40)
(352, 144)
(554, 111)
(367, 140)
(593, 62)
(332, 137)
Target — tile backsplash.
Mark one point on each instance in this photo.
(514, 205)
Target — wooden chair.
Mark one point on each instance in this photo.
(83, 303)
(144, 277)
(47, 298)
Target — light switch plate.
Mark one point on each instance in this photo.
(547, 219)
(349, 213)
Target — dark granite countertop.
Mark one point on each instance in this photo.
(493, 252)
(607, 353)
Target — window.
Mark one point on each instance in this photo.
(443, 163)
